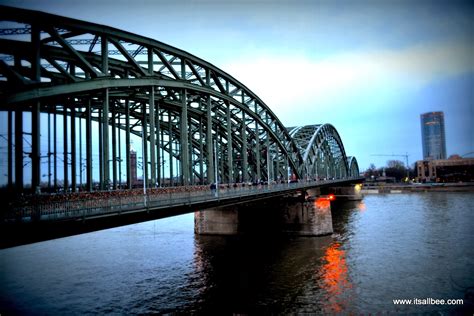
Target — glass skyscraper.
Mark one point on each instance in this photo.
(432, 135)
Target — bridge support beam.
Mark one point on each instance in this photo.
(243, 132)
(344, 193)
(105, 140)
(152, 137)
(184, 163)
(10, 150)
(89, 146)
(19, 150)
(209, 143)
(287, 215)
(257, 153)
(230, 175)
(35, 148)
(65, 153)
(73, 150)
(144, 148)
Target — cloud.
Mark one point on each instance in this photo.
(283, 80)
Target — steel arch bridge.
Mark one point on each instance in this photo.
(86, 86)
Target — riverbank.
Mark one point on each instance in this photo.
(381, 188)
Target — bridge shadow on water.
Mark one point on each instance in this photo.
(258, 274)
(263, 271)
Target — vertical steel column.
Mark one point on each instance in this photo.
(65, 150)
(80, 153)
(277, 167)
(49, 151)
(257, 150)
(119, 158)
(210, 159)
(170, 143)
(72, 71)
(73, 149)
(55, 148)
(154, 120)
(245, 172)
(190, 151)
(201, 152)
(101, 150)
(104, 124)
(127, 143)
(105, 140)
(229, 143)
(144, 148)
(220, 155)
(162, 145)
(35, 147)
(158, 143)
(316, 165)
(19, 149)
(269, 159)
(35, 112)
(89, 145)
(217, 156)
(184, 139)
(10, 149)
(114, 149)
(151, 117)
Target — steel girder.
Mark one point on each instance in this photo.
(183, 106)
(322, 150)
(188, 112)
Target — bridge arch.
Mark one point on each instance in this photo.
(92, 87)
(353, 166)
(322, 151)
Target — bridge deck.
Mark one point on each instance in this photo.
(46, 221)
(93, 208)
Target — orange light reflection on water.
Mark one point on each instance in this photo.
(361, 207)
(335, 279)
(322, 203)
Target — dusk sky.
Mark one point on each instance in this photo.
(370, 68)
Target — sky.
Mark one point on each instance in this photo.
(370, 68)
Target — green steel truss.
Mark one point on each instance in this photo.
(187, 111)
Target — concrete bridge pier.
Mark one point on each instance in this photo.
(217, 221)
(296, 216)
(311, 217)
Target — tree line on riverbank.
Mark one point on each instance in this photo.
(395, 170)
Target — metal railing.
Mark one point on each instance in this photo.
(87, 208)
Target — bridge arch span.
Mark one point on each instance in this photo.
(322, 150)
(88, 88)
(353, 166)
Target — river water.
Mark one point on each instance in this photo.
(399, 246)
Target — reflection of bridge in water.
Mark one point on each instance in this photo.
(86, 90)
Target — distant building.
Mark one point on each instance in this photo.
(454, 169)
(432, 135)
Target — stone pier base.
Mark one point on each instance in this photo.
(309, 218)
(288, 215)
(217, 221)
